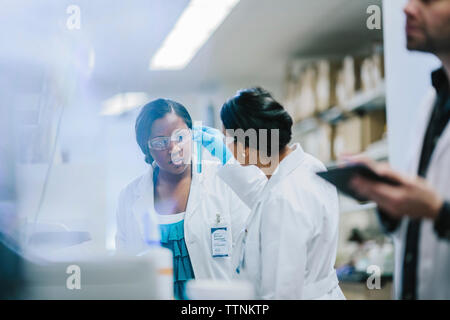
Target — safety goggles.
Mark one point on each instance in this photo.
(179, 136)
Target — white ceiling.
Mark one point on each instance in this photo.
(254, 42)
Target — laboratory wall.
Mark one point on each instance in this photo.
(407, 82)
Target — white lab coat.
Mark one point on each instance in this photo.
(208, 197)
(434, 253)
(288, 248)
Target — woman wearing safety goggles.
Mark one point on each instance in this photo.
(198, 215)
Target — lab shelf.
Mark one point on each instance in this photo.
(361, 103)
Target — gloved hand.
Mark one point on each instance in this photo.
(212, 140)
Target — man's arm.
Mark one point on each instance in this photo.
(412, 197)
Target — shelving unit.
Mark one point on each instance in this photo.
(353, 125)
(362, 102)
(366, 106)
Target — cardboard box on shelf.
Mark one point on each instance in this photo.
(327, 73)
(372, 71)
(373, 126)
(378, 58)
(289, 101)
(318, 143)
(355, 134)
(306, 98)
(366, 75)
(348, 137)
(348, 79)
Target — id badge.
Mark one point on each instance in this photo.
(219, 242)
(219, 239)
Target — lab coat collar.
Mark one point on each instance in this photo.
(145, 185)
(144, 203)
(287, 165)
(146, 182)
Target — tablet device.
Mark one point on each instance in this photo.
(341, 176)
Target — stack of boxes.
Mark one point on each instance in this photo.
(355, 134)
(324, 84)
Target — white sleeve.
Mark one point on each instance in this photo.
(284, 236)
(247, 182)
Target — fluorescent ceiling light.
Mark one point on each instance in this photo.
(197, 23)
(123, 102)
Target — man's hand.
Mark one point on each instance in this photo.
(412, 197)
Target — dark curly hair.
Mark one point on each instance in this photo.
(255, 108)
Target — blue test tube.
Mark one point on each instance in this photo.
(199, 156)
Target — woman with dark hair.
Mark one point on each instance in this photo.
(288, 248)
(189, 206)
